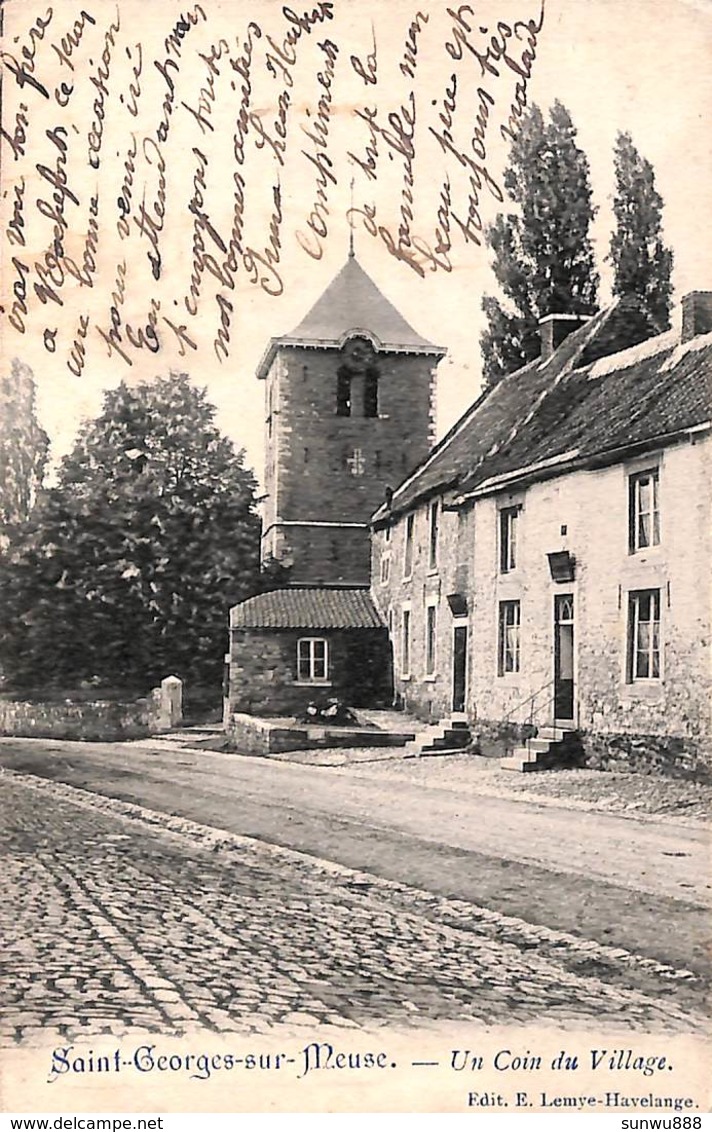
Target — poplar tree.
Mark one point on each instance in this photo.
(543, 255)
(642, 264)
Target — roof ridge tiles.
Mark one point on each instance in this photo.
(549, 408)
(310, 607)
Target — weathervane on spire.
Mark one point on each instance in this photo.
(351, 223)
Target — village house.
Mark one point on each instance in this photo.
(542, 570)
(546, 568)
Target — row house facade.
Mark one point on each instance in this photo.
(548, 563)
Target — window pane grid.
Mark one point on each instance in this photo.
(405, 655)
(430, 639)
(434, 525)
(508, 519)
(644, 635)
(509, 637)
(408, 555)
(312, 659)
(645, 510)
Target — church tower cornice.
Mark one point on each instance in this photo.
(352, 306)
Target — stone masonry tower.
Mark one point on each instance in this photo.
(349, 412)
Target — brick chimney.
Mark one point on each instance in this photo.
(553, 328)
(696, 314)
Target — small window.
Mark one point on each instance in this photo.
(643, 510)
(408, 551)
(389, 528)
(431, 622)
(643, 635)
(434, 531)
(509, 626)
(343, 393)
(385, 568)
(508, 520)
(312, 660)
(370, 393)
(405, 644)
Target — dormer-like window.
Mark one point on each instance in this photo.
(370, 392)
(357, 380)
(343, 392)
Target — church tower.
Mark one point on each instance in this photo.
(349, 411)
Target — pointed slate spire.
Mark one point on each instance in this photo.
(352, 304)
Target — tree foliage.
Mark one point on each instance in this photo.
(129, 567)
(543, 255)
(642, 264)
(23, 448)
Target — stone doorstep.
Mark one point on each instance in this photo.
(554, 734)
(511, 762)
(442, 738)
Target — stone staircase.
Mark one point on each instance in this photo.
(550, 747)
(448, 737)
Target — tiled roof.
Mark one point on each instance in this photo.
(309, 608)
(352, 303)
(578, 404)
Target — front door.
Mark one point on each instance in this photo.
(564, 656)
(459, 667)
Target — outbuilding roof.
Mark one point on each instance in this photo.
(317, 607)
(352, 304)
(580, 404)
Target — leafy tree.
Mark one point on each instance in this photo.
(23, 448)
(129, 567)
(641, 262)
(543, 255)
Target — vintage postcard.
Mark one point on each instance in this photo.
(355, 732)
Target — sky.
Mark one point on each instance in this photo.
(637, 65)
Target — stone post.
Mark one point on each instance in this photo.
(171, 701)
(226, 688)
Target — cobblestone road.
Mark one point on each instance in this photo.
(111, 921)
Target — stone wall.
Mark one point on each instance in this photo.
(640, 754)
(252, 736)
(322, 554)
(105, 721)
(99, 720)
(647, 754)
(308, 448)
(263, 670)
